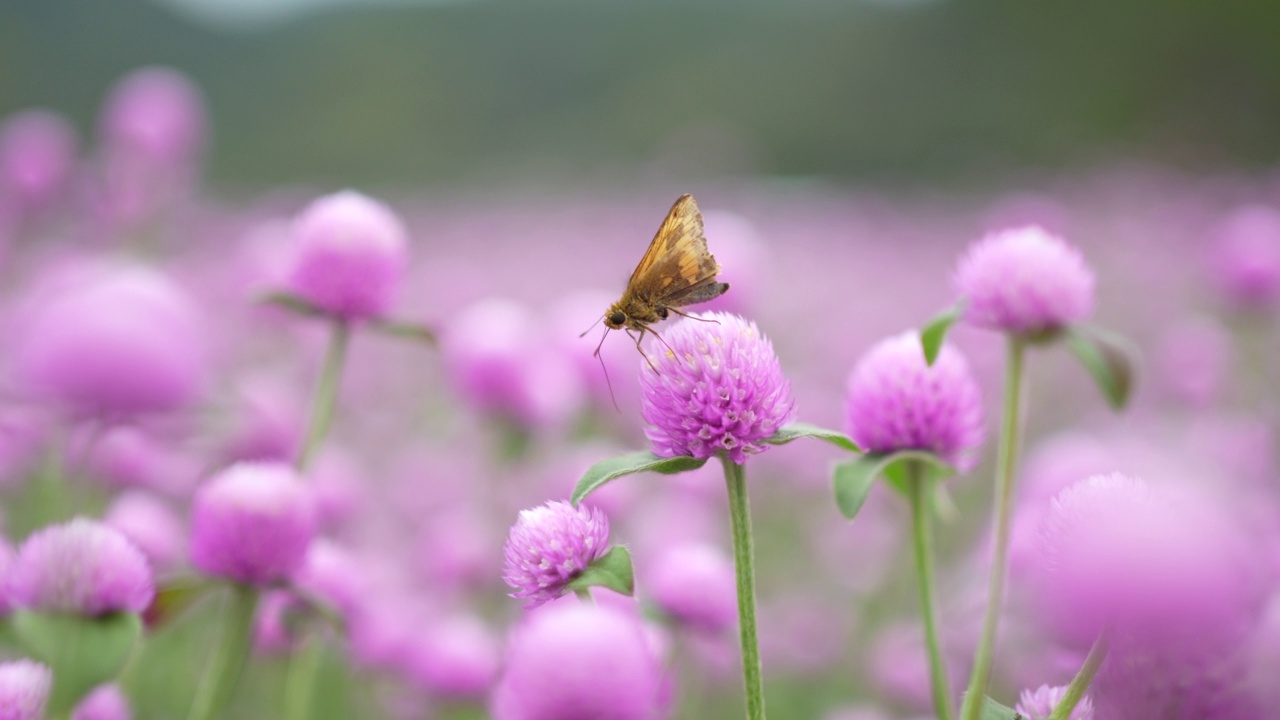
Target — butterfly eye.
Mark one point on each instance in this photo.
(617, 318)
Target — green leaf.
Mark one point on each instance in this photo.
(612, 570)
(795, 431)
(992, 710)
(629, 464)
(174, 597)
(82, 652)
(293, 303)
(853, 479)
(1109, 359)
(934, 332)
(405, 330)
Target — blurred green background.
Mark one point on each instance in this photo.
(562, 90)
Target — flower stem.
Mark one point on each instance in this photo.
(326, 393)
(229, 657)
(1007, 458)
(1080, 683)
(919, 487)
(304, 665)
(744, 566)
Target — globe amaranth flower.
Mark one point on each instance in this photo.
(252, 523)
(1151, 564)
(694, 584)
(500, 362)
(575, 661)
(110, 340)
(455, 657)
(154, 115)
(24, 690)
(151, 137)
(106, 702)
(37, 158)
(1024, 281)
(350, 254)
(896, 401)
(82, 566)
(1246, 256)
(714, 385)
(1038, 704)
(549, 546)
(151, 525)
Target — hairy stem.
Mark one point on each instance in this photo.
(1008, 455)
(744, 567)
(920, 487)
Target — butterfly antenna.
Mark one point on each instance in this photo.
(600, 344)
(609, 384)
(593, 324)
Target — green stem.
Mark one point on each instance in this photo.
(744, 566)
(1008, 455)
(300, 683)
(919, 487)
(326, 396)
(1080, 683)
(223, 672)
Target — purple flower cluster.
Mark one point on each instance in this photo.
(895, 401)
(1024, 280)
(579, 661)
(714, 386)
(24, 690)
(549, 546)
(1038, 704)
(252, 523)
(350, 254)
(80, 567)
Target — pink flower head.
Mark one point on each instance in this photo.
(549, 546)
(1246, 256)
(456, 658)
(157, 115)
(333, 575)
(152, 525)
(108, 340)
(1024, 280)
(500, 362)
(1194, 360)
(895, 401)
(715, 386)
(1149, 564)
(694, 584)
(24, 690)
(574, 661)
(351, 252)
(37, 157)
(1038, 704)
(252, 523)
(82, 566)
(106, 702)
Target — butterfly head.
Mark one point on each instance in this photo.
(615, 319)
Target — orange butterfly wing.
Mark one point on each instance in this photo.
(677, 269)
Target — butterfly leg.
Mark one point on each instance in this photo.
(640, 337)
(691, 317)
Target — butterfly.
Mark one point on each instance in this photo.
(676, 270)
